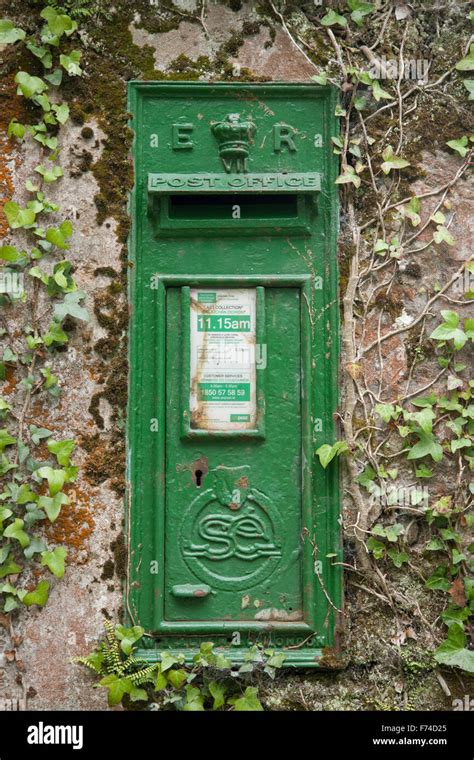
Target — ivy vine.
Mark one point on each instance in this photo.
(35, 465)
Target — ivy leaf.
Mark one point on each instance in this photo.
(38, 596)
(9, 32)
(70, 306)
(55, 335)
(15, 530)
(218, 692)
(52, 505)
(359, 10)
(54, 560)
(62, 112)
(58, 23)
(167, 661)
(348, 175)
(443, 235)
(37, 434)
(9, 567)
(391, 161)
(332, 18)
(58, 235)
(379, 93)
(5, 439)
(49, 175)
(62, 450)
(398, 558)
(386, 411)
(71, 63)
(128, 637)
(16, 129)
(459, 145)
(467, 63)
(55, 478)
(460, 443)
(9, 253)
(29, 86)
(177, 677)
(426, 446)
(438, 581)
(42, 53)
(161, 680)
(117, 688)
(194, 699)
(320, 78)
(249, 702)
(449, 329)
(453, 651)
(35, 546)
(18, 217)
(55, 78)
(469, 85)
(5, 513)
(326, 452)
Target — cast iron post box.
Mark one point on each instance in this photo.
(233, 522)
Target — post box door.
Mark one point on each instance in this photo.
(233, 500)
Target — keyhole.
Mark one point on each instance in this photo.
(199, 471)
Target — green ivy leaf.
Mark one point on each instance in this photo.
(71, 63)
(348, 175)
(469, 85)
(450, 330)
(359, 10)
(18, 217)
(55, 478)
(62, 450)
(249, 702)
(453, 651)
(398, 558)
(29, 86)
(391, 161)
(5, 439)
(62, 112)
(467, 63)
(54, 560)
(49, 175)
(218, 692)
(52, 505)
(380, 94)
(459, 145)
(9, 33)
(332, 19)
(42, 53)
(177, 677)
(161, 680)
(426, 446)
(326, 452)
(58, 235)
(443, 235)
(58, 23)
(128, 637)
(15, 530)
(9, 567)
(70, 306)
(194, 700)
(117, 688)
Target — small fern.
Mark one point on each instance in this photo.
(78, 9)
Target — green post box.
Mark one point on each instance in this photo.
(233, 523)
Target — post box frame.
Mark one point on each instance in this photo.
(320, 498)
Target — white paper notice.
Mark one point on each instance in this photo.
(222, 348)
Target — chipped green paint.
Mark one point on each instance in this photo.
(232, 515)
